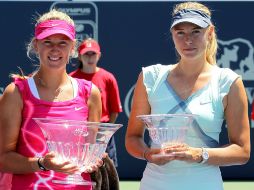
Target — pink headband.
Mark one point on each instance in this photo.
(50, 27)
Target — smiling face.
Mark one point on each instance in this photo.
(190, 40)
(54, 51)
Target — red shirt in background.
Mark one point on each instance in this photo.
(106, 83)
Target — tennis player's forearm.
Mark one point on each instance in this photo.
(15, 163)
(135, 146)
(228, 155)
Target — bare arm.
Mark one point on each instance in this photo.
(94, 105)
(10, 121)
(236, 113)
(134, 142)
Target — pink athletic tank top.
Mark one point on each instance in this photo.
(31, 141)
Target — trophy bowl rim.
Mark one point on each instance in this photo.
(99, 124)
(189, 115)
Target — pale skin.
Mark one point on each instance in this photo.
(90, 60)
(54, 52)
(193, 72)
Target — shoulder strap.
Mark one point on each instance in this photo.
(215, 85)
(22, 85)
(161, 74)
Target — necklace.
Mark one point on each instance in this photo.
(57, 92)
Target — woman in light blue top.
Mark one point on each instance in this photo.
(193, 85)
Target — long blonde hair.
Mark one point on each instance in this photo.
(51, 15)
(212, 44)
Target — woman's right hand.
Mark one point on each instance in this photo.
(155, 155)
(49, 161)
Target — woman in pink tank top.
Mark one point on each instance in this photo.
(49, 93)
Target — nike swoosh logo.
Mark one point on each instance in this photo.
(78, 108)
(203, 103)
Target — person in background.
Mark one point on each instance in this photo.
(192, 85)
(89, 55)
(48, 93)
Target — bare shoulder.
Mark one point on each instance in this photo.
(140, 87)
(11, 97)
(94, 104)
(95, 95)
(95, 91)
(11, 91)
(237, 87)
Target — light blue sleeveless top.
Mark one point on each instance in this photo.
(207, 104)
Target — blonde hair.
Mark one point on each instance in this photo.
(51, 15)
(55, 15)
(213, 44)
